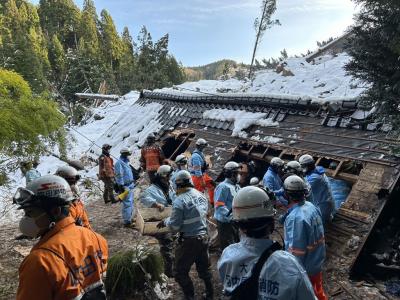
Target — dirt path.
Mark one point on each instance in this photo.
(105, 220)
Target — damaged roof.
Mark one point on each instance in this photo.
(338, 132)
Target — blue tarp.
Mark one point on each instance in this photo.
(340, 190)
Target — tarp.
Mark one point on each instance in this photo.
(340, 190)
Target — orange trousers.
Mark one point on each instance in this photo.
(204, 183)
(316, 281)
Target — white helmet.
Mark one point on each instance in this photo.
(125, 151)
(231, 166)
(201, 142)
(294, 165)
(183, 178)
(306, 160)
(254, 181)
(70, 174)
(252, 203)
(277, 162)
(181, 159)
(164, 171)
(294, 184)
(46, 191)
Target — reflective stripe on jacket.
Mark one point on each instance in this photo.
(223, 197)
(106, 167)
(281, 277)
(123, 172)
(189, 213)
(45, 276)
(197, 163)
(154, 194)
(304, 236)
(152, 157)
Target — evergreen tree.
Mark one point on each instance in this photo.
(61, 18)
(375, 52)
(126, 69)
(23, 47)
(57, 60)
(112, 44)
(261, 25)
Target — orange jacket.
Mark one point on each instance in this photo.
(78, 212)
(106, 167)
(152, 157)
(44, 275)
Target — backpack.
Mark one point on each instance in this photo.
(248, 289)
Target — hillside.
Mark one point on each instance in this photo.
(216, 70)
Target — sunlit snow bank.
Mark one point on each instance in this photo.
(322, 81)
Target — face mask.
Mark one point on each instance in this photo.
(28, 226)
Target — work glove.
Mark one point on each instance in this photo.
(161, 224)
(160, 207)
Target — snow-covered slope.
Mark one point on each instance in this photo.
(324, 80)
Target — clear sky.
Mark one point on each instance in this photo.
(203, 31)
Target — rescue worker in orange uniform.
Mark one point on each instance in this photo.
(152, 157)
(106, 173)
(198, 169)
(69, 261)
(77, 209)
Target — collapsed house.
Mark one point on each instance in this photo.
(356, 151)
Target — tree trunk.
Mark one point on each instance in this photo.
(257, 39)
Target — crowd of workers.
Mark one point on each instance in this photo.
(69, 260)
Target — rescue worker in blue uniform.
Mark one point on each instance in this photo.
(294, 168)
(272, 180)
(224, 194)
(125, 181)
(273, 273)
(160, 195)
(189, 218)
(304, 232)
(320, 187)
(181, 164)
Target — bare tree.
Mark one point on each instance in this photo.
(261, 25)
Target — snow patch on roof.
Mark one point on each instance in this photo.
(324, 81)
(241, 118)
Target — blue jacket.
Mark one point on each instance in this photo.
(273, 182)
(197, 162)
(31, 175)
(123, 173)
(189, 213)
(321, 192)
(223, 198)
(281, 277)
(154, 194)
(304, 236)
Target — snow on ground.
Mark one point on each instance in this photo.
(322, 81)
(242, 119)
(123, 124)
